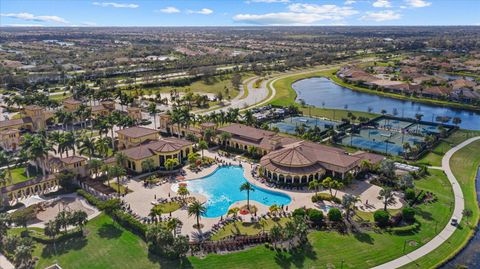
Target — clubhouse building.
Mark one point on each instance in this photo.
(292, 160)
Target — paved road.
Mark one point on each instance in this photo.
(448, 230)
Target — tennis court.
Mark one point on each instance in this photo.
(289, 124)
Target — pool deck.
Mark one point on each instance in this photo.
(141, 198)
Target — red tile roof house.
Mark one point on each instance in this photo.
(292, 160)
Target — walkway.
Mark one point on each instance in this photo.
(445, 234)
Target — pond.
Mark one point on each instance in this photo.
(322, 92)
(222, 189)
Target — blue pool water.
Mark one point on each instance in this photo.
(222, 189)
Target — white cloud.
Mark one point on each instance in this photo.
(386, 15)
(350, 2)
(22, 25)
(169, 10)
(418, 3)
(382, 3)
(31, 17)
(332, 11)
(299, 14)
(203, 11)
(268, 1)
(115, 5)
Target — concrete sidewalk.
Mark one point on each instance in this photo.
(448, 230)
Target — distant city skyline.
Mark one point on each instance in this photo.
(238, 12)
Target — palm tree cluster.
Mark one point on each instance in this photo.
(295, 229)
(20, 248)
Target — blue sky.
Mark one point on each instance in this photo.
(237, 12)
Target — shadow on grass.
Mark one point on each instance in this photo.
(295, 257)
(109, 231)
(424, 214)
(363, 237)
(64, 247)
(182, 263)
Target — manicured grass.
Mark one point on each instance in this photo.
(434, 158)
(464, 165)
(19, 174)
(240, 228)
(107, 245)
(123, 189)
(168, 207)
(361, 250)
(334, 114)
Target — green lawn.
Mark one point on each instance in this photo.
(19, 174)
(464, 166)
(240, 228)
(168, 207)
(362, 250)
(106, 245)
(434, 158)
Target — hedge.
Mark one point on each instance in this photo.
(325, 197)
(124, 219)
(406, 229)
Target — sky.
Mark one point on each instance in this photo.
(237, 12)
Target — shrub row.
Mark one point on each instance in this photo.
(325, 197)
(63, 237)
(124, 219)
(406, 229)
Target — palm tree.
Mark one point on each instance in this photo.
(197, 209)
(152, 110)
(56, 138)
(52, 230)
(23, 256)
(38, 147)
(274, 209)
(87, 145)
(102, 146)
(233, 211)
(148, 165)
(79, 218)
(121, 159)
(224, 137)
(117, 172)
(95, 165)
(313, 185)
(173, 224)
(348, 203)
(247, 187)
(248, 117)
(171, 163)
(68, 142)
(182, 191)
(4, 161)
(208, 134)
(387, 196)
(202, 145)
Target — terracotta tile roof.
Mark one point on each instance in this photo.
(9, 131)
(34, 107)
(8, 123)
(71, 101)
(371, 157)
(72, 159)
(148, 149)
(98, 108)
(27, 183)
(246, 131)
(137, 131)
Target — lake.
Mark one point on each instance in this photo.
(322, 92)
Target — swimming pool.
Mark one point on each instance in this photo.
(222, 189)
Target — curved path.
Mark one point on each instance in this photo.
(448, 230)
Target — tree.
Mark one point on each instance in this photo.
(172, 225)
(79, 218)
(334, 214)
(121, 159)
(248, 188)
(276, 234)
(5, 161)
(23, 256)
(38, 147)
(457, 120)
(381, 217)
(182, 191)
(202, 145)
(192, 157)
(4, 224)
(51, 230)
(314, 185)
(348, 203)
(102, 146)
(148, 165)
(315, 215)
(110, 206)
(94, 165)
(208, 134)
(387, 168)
(152, 110)
(171, 163)
(274, 209)
(330, 184)
(63, 219)
(408, 214)
(118, 172)
(386, 195)
(87, 145)
(224, 137)
(233, 211)
(197, 209)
